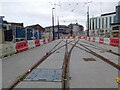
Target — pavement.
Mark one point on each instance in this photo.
(91, 74)
(17, 64)
(84, 74)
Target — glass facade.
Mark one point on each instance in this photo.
(110, 20)
(96, 23)
(102, 22)
(106, 22)
(115, 19)
(99, 23)
(90, 24)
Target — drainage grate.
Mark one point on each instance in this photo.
(89, 59)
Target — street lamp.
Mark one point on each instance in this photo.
(53, 24)
(58, 29)
(88, 21)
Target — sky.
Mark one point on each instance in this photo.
(32, 12)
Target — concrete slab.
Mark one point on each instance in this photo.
(39, 85)
(93, 74)
(17, 64)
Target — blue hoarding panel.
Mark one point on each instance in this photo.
(36, 35)
(20, 33)
(29, 34)
(8, 35)
(40, 35)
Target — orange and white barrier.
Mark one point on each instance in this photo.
(101, 40)
(37, 43)
(92, 39)
(114, 41)
(31, 44)
(107, 41)
(10, 48)
(21, 46)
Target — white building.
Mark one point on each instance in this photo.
(100, 26)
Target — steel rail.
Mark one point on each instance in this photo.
(65, 73)
(97, 55)
(55, 46)
(22, 76)
(100, 48)
(101, 57)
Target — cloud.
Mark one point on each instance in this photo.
(40, 11)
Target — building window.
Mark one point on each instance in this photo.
(99, 23)
(93, 24)
(96, 23)
(110, 21)
(90, 24)
(106, 22)
(115, 19)
(102, 22)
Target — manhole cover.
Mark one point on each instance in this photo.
(89, 59)
(57, 52)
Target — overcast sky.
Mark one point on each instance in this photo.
(39, 11)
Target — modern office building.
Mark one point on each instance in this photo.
(105, 25)
(100, 26)
(116, 25)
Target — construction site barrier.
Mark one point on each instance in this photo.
(41, 41)
(101, 40)
(74, 36)
(31, 44)
(79, 37)
(88, 38)
(97, 39)
(68, 37)
(37, 43)
(85, 37)
(92, 39)
(107, 41)
(44, 41)
(114, 41)
(21, 46)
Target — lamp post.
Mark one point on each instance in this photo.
(53, 24)
(58, 29)
(88, 21)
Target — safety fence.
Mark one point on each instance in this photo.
(10, 48)
(109, 41)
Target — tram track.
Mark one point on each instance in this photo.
(65, 72)
(23, 76)
(100, 48)
(84, 48)
(49, 53)
(65, 68)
